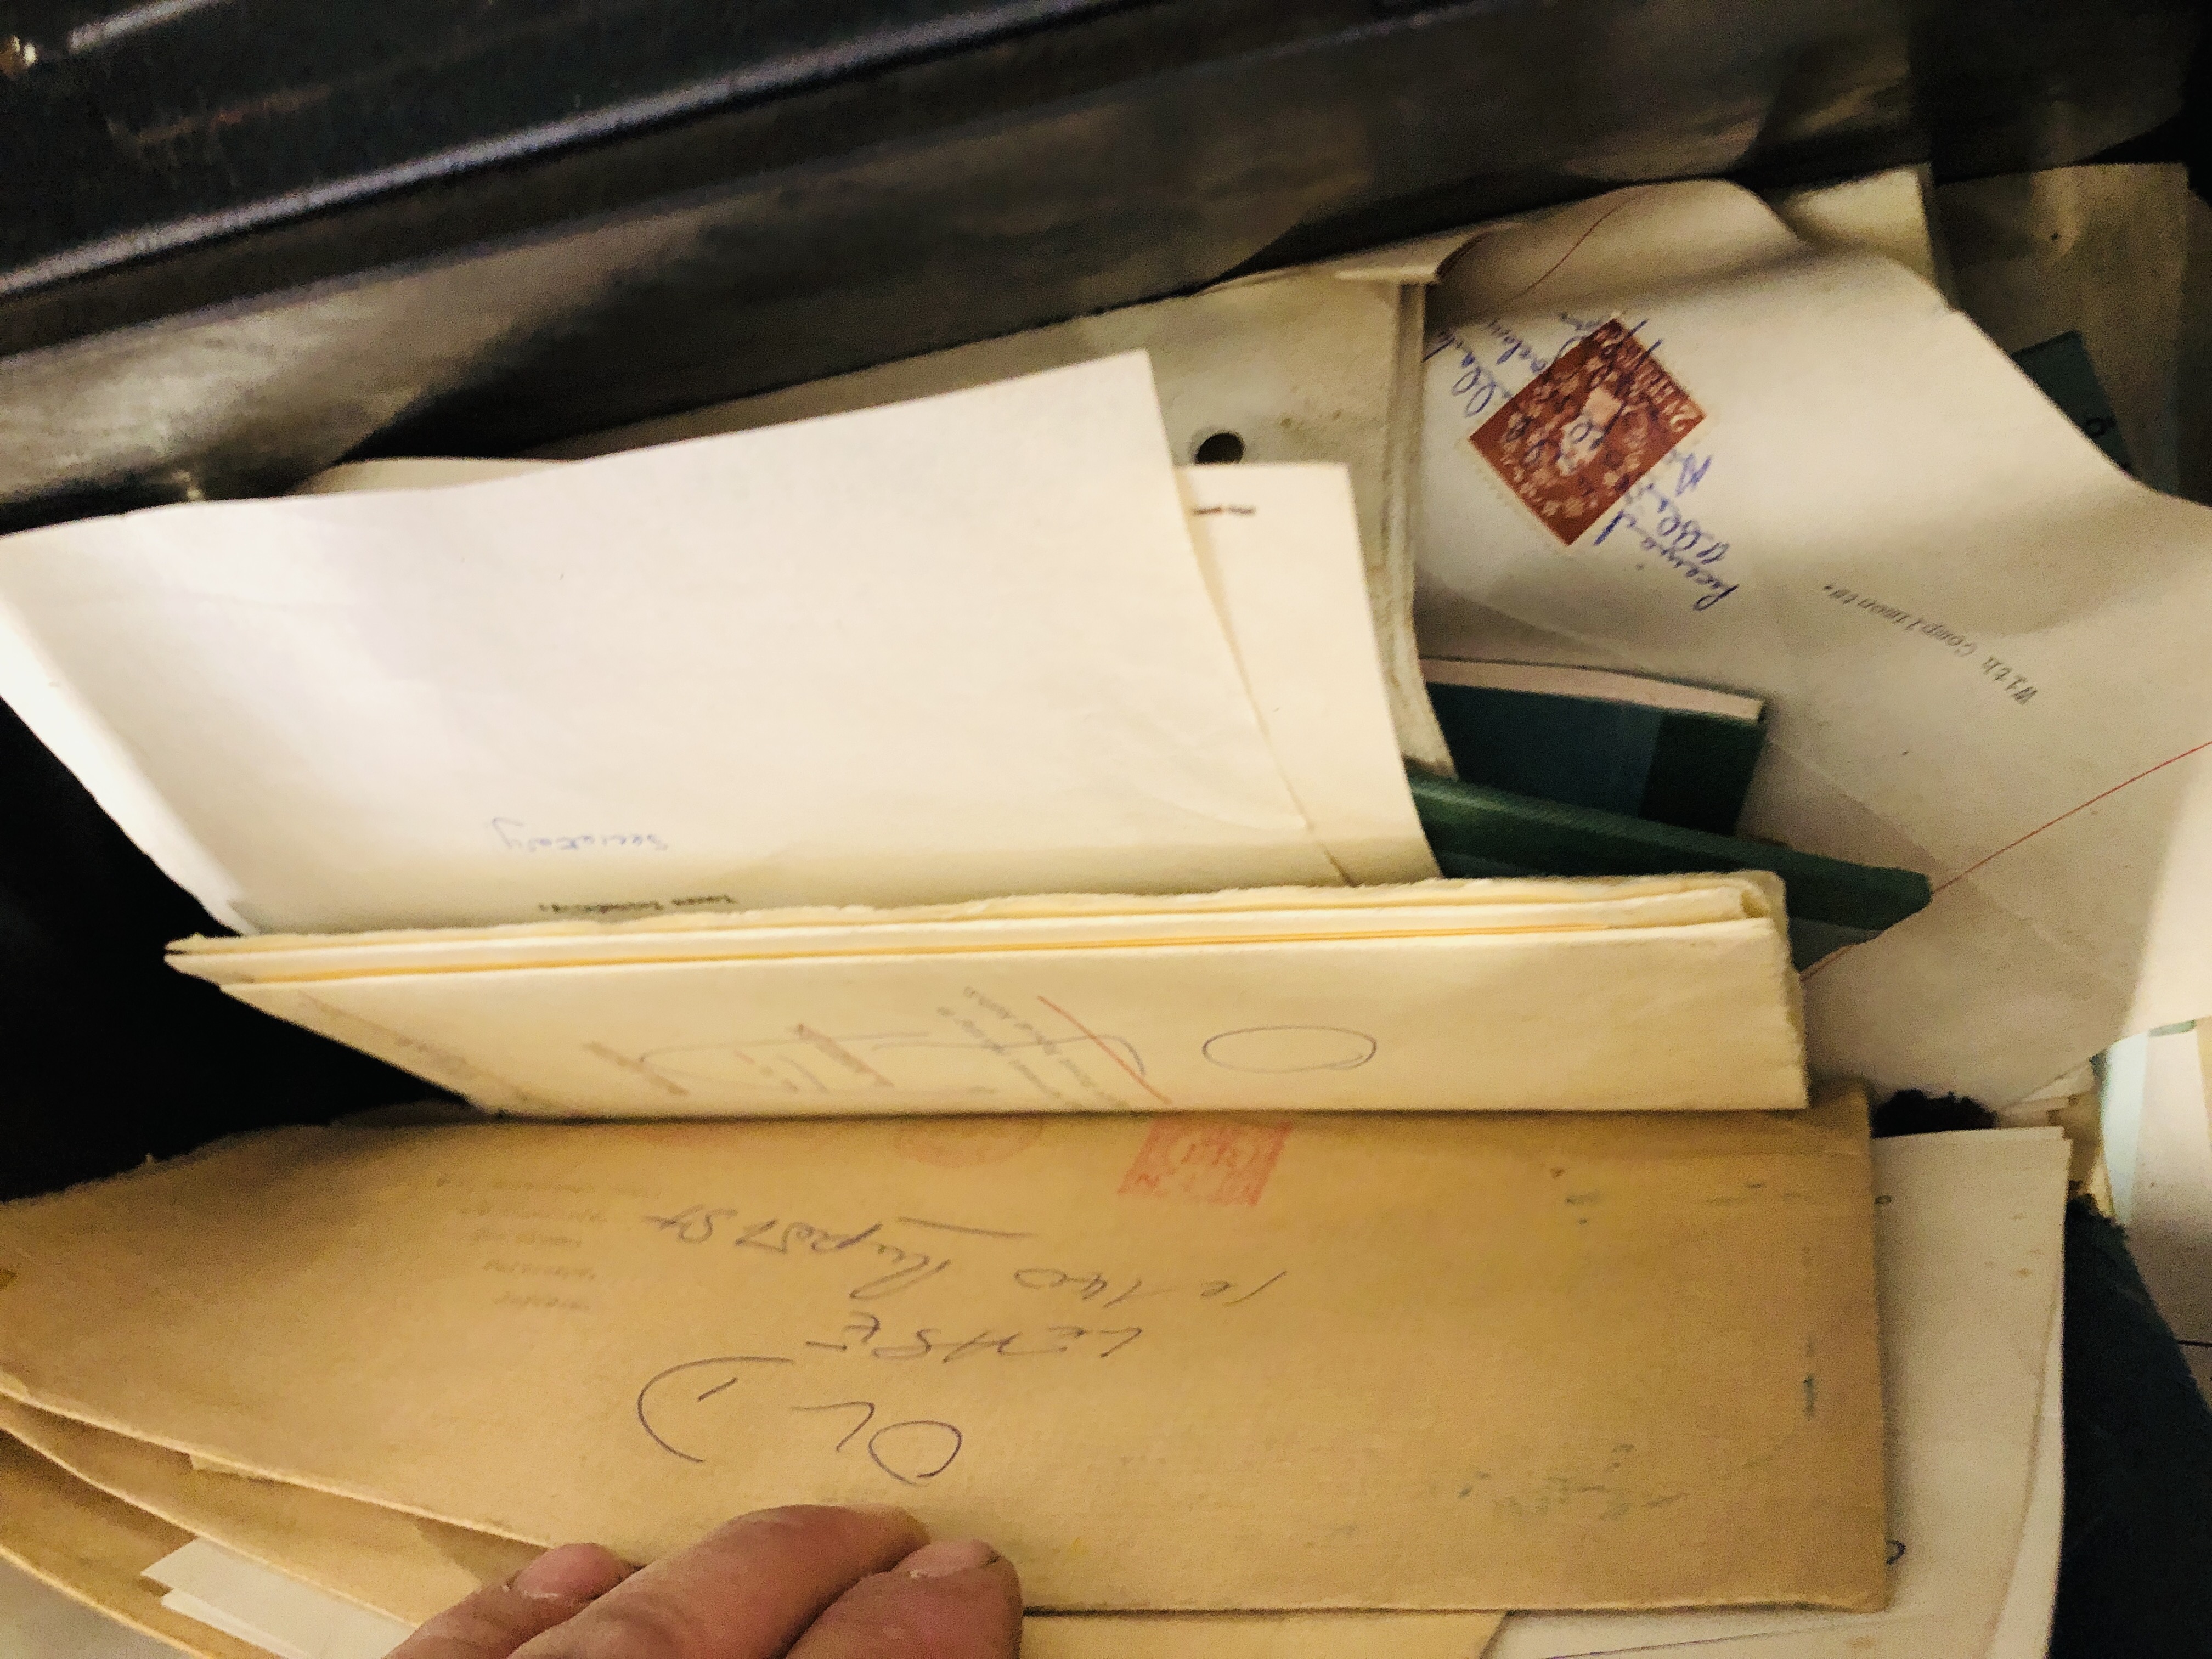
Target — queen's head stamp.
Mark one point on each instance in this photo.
(1577, 438)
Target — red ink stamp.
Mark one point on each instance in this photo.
(1208, 1160)
(1576, 438)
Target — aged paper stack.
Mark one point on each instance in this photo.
(1968, 1250)
(972, 861)
(762, 757)
(1415, 1362)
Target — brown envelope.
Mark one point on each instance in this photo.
(410, 1569)
(59, 1530)
(1425, 1362)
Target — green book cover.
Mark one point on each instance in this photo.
(1616, 743)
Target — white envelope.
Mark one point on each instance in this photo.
(1975, 636)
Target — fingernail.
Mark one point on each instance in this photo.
(947, 1557)
(573, 1572)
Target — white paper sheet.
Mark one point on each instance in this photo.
(1279, 546)
(2023, 1628)
(1281, 549)
(1968, 1246)
(1316, 363)
(935, 651)
(1977, 638)
(2157, 1125)
(1884, 213)
(291, 1620)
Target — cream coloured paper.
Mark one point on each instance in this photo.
(2023, 1627)
(1499, 905)
(714, 1316)
(1279, 547)
(1969, 628)
(715, 674)
(1405, 999)
(1318, 363)
(1885, 213)
(291, 1620)
(1968, 1233)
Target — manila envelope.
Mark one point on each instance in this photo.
(93, 1547)
(93, 1519)
(1422, 1363)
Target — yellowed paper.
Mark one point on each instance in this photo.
(1418, 1363)
(291, 1619)
(94, 1548)
(1409, 999)
(383, 1560)
(1281, 549)
(1510, 905)
(1968, 1244)
(408, 1569)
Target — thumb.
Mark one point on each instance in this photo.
(495, 1620)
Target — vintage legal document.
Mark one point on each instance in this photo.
(1665, 435)
(980, 1320)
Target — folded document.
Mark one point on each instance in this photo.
(1659, 992)
(1420, 1362)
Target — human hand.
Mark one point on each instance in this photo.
(808, 1583)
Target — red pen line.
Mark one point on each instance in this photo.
(2170, 761)
(2083, 807)
(1575, 248)
(1106, 1049)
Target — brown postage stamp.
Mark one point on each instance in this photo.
(1576, 438)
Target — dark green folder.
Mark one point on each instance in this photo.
(1688, 769)
(1476, 830)
(2060, 367)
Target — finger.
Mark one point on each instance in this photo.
(958, 1599)
(495, 1620)
(745, 1591)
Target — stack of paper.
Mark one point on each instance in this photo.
(1132, 1151)
(1409, 1361)
(1968, 1250)
(1657, 994)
